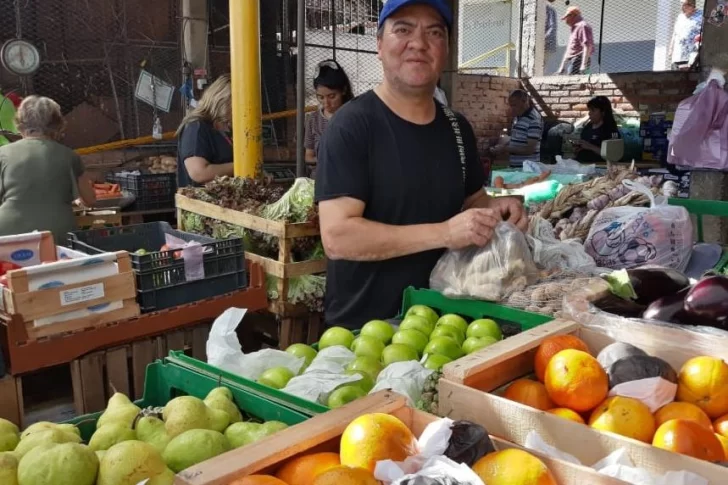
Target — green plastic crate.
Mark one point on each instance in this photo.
(165, 380)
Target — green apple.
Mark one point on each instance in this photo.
(367, 345)
(365, 381)
(484, 327)
(276, 377)
(453, 320)
(423, 311)
(472, 344)
(444, 346)
(413, 338)
(303, 350)
(336, 336)
(367, 365)
(436, 361)
(344, 395)
(378, 329)
(450, 332)
(398, 353)
(415, 322)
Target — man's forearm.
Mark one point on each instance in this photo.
(588, 51)
(359, 239)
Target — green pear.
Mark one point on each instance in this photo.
(272, 427)
(217, 420)
(8, 426)
(100, 454)
(8, 440)
(59, 464)
(222, 399)
(193, 447)
(185, 413)
(107, 436)
(39, 426)
(128, 463)
(8, 469)
(42, 437)
(151, 430)
(70, 428)
(244, 433)
(119, 410)
(164, 478)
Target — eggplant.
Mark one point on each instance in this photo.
(707, 302)
(646, 285)
(669, 308)
(619, 306)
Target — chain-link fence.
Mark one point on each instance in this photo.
(93, 53)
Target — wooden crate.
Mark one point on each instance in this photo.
(470, 390)
(96, 376)
(25, 307)
(25, 354)
(94, 219)
(323, 433)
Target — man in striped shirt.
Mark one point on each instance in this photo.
(526, 132)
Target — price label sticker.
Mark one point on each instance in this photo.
(82, 294)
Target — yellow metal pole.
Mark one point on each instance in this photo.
(245, 72)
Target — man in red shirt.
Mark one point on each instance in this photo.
(581, 44)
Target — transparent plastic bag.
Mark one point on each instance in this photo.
(551, 252)
(504, 265)
(547, 296)
(628, 237)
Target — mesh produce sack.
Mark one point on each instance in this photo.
(546, 297)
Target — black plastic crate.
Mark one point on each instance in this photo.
(160, 275)
(152, 190)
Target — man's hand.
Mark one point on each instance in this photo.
(511, 210)
(473, 227)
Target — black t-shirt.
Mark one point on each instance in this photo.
(201, 139)
(595, 136)
(406, 174)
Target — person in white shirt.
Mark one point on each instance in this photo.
(685, 34)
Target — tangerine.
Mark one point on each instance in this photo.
(304, 469)
(551, 346)
(344, 475)
(374, 437)
(567, 414)
(703, 381)
(575, 380)
(531, 393)
(689, 438)
(682, 410)
(724, 443)
(258, 480)
(624, 416)
(720, 425)
(513, 467)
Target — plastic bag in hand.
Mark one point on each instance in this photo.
(628, 237)
(504, 265)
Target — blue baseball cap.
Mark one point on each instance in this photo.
(391, 6)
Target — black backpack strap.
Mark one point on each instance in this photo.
(458, 138)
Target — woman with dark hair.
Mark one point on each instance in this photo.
(333, 89)
(601, 126)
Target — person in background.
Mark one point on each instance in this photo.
(39, 177)
(577, 58)
(204, 143)
(333, 90)
(683, 44)
(526, 132)
(550, 36)
(600, 127)
(399, 179)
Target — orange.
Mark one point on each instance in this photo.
(624, 416)
(513, 467)
(689, 438)
(552, 346)
(724, 443)
(575, 380)
(567, 414)
(374, 437)
(682, 410)
(344, 475)
(258, 480)
(703, 381)
(530, 393)
(304, 469)
(720, 425)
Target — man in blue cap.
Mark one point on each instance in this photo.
(399, 178)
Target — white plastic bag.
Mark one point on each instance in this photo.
(440, 470)
(504, 265)
(405, 378)
(552, 253)
(331, 360)
(628, 237)
(654, 392)
(326, 372)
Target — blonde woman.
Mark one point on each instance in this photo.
(39, 177)
(204, 143)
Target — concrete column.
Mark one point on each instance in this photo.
(194, 32)
(528, 45)
(712, 185)
(663, 33)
